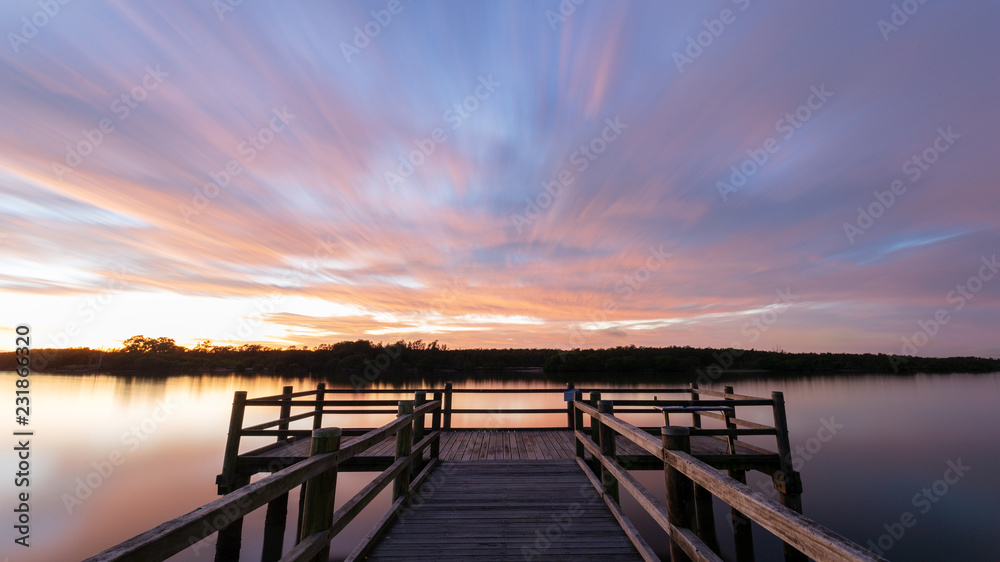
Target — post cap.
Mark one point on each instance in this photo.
(675, 430)
(327, 432)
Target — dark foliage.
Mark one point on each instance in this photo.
(142, 353)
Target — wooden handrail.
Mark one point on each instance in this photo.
(508, 411)
(182, 532)
(280, 421)
(277, 396)
(324, 402)
(809, 537)
(737, 421)
(729, 395)
(656, 509)
(696, 403)
(794, 528)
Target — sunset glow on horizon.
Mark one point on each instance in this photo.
(493, 174)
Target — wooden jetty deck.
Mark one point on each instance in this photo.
(512, 444)
(502, 510)
(545, 493)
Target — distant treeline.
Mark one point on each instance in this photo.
(140, 353)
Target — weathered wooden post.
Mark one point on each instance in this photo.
(436, 426)
(318, 416)
(695, 416)
(404, 444)
(227, 545)
(787, 480)
(569, 408)
(595, 430)
(232, 442)
(680, 492)
(285, 412)
(419, 399)
(317, 509)
(446, 414)
(704, 509)
(608, 482)
(230, 537)
(577, 423)
(277, 509)
(742, 530)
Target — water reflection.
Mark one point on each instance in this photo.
(115, 456)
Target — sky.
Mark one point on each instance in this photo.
(789, 176)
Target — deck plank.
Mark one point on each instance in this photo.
(523, 445)
(493, 510)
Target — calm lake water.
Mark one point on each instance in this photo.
(871, 450)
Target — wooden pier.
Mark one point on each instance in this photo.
(498, 493)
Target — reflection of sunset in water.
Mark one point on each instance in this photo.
(170, 434)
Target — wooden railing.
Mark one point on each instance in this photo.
(318, 474)
(686, 516)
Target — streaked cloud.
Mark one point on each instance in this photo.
(296, 230)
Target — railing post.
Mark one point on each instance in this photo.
(318, 416)
(419, 399)
(608, 482)
(730, 424)
(742, 530)
(275, 521)
(284, 412)
(595, 430)
(229, 458)
(577, 423)
(404, 444)
(680, 492)
(570, 416)
(277, 509)
(704, 509)
(695, 416)
(446, 413)
(436, 426)
(230, 538)
(227, 544)
(787, 480)
(317, 509)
